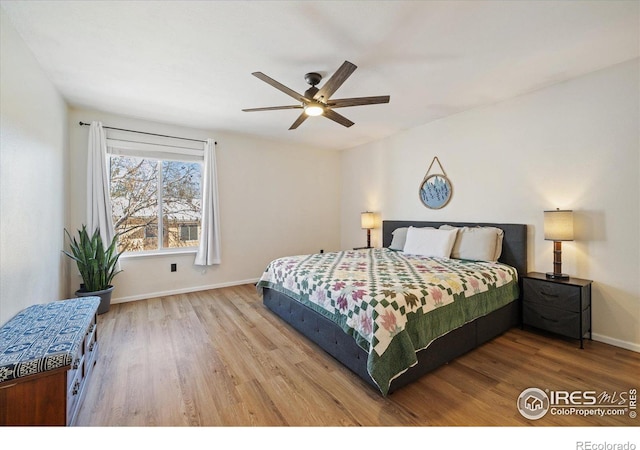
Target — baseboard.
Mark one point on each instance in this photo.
(181, 291)
(616, 342)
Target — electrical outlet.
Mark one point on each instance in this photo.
(174, 267)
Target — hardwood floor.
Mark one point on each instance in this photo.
(220, 358)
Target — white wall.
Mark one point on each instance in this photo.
(574, 145)
(275, 200)
(33, 146)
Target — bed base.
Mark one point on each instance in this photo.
(332, 339)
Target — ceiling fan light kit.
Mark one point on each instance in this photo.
(316, 102)
(313, 109)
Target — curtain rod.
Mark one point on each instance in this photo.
(151, 134)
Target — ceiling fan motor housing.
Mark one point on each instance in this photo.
(312, 78)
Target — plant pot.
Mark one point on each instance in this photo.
(105, 297)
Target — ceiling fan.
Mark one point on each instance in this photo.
(317, 102)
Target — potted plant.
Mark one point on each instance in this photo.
(96, 264)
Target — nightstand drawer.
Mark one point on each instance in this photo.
(562, 296)
(560, 321)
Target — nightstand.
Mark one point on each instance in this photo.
(558, 306)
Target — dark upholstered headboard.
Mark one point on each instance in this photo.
(514, 243)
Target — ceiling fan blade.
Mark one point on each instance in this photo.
(330, 114)
(273, 108)
(301, 118)
(280, 86)
(336, 80)
(343, 102)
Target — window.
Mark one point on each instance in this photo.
(150, 231)
(188, 232)
(155, 202)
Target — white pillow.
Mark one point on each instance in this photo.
(430, 242)
(399, 238)
(477, 243)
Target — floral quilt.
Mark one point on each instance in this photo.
(393, 303)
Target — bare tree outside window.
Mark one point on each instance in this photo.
(142, 212)
(180, 201)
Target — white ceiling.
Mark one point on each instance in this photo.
(190, 62)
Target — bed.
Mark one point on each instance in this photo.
(392, 316)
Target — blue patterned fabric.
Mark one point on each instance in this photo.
(45, 337)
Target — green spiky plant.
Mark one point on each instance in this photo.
(96, 264)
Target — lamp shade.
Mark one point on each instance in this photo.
(367, 220)
(558, 225)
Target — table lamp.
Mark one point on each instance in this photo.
(368, 222)
(558, 227)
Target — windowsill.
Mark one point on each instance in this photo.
(164, 252)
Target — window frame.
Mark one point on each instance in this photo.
(135, 149)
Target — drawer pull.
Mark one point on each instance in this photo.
(76, 388)
(76, 363)
(549, 294)
(93, 343)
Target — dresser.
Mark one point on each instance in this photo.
(559, 306)
(47, 355)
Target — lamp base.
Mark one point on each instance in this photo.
(557, 276)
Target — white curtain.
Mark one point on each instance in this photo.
(98, 200)
(209, 249)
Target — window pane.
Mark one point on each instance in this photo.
(134, 199)
(181, 203)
